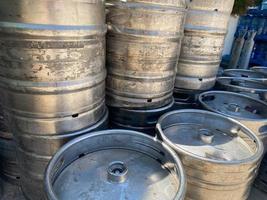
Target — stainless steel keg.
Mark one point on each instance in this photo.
(252, 88)
(52, 73)
(205, 29)
(143, 46)
(115, 164)
(219, 163)
(261, 69)
(246, 74)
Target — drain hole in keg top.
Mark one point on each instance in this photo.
(251, 109)
(75, 115)
(149, 100)
(81, 155)
(208, 98)
(117, 172)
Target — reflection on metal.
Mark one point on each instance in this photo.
(100, 164)
(246, 74)
(202, 46)
(260, 69)
(219, 163)
(236, 50)
(143, 46)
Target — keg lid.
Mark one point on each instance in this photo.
(242, 84)
(114, 165)
(209, 137)
(234, 105)
(242, 73)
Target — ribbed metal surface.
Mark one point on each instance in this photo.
(139, 120)
(252, 88)
(52, 71)
(202, 46)
(9, 168)
(260, 69)
(251, 112)
(219, 164)
(143, 45)
(246, 74)
(107, 161)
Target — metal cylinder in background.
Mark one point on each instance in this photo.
(9, 169)
(202, 45)
(246, 74)
(252, 88)
(251, 112)
(143, 46)
(237, 49)
(52, 72)
(138, 120)
(219, 163)
(107, 161)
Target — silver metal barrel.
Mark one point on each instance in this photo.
(9, 169)
(252, 88)
(138, 120)
(260, 69)
(202, 45)
(143, 46)
(219, 163)
(246, 74)
(98, 165)
(251, 112)
(52, 72)
(260, 181)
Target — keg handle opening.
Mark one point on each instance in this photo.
(117, 172)
(206, 136)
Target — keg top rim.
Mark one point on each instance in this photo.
(237, 72)
(114, 177)
(225, 108)
(251, 159)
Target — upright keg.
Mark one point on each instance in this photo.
(52, 71)
(260, 69)
(219, 163)
(9, 169)
(246, 74)
(205, 29)
(252, 88)
(115, 164)
(143, 46)
(138, 120)
(251, 112)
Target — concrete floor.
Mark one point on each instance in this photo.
(11, 192)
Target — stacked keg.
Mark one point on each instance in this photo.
(9, 169)
(260, 69)
(143, 46)
(52, 73)
(202, 45)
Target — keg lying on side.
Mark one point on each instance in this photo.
(252, 88)
(260, 69)
(52, 71)
(246, 74)
(251, 112)
(219, 164)
(185, 99)
(112, 165)
(138, 120)
(9, 169)
(205, 30)
(143, 46)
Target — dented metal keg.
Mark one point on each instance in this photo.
(251, 112)
(260, 69)
(252, 88)
(246, 74)
(138, 120)
(9, 169)
(202, 45)
(115, 164)
(143, 46)
(219, 163)
(52, 72)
